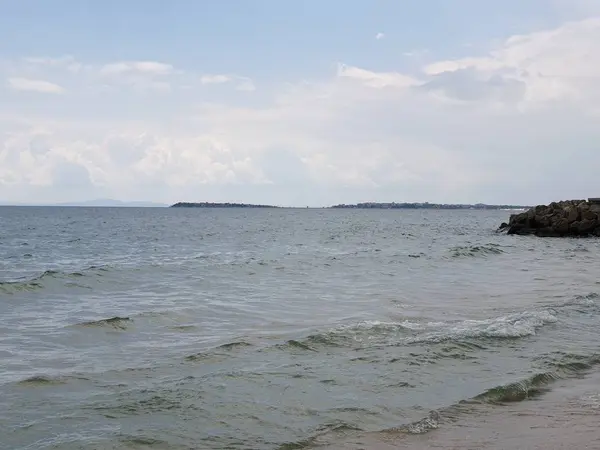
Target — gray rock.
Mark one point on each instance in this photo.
(547, 232)
(543, 221)
(588, 215)
(587, 227)
(573, 213)
(574, 228)
(562, 226)
(558, 219)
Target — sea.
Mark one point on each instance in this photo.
(199, 328)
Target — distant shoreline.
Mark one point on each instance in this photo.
(394, 205)
(220, 205)
(374, 205)
(231, 205)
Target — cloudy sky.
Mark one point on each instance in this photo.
(300, 102)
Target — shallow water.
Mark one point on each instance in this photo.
(276, 329)
(564, 418)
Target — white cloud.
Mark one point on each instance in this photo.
(142, 76)
(68, 62)
(243, 83)
(246, 85)
(518, 124)
(26, 84)
(139, 67)
(552, 64)
(215, 79)
(379, 36)
(376, 79)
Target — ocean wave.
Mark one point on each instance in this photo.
(312, 441)
(562, 366)
(422, 426)
(13, 287)
(476, 250)
(119, 323)
(173, 320)
(505, 327)
(46, 380)
(581, 303)
(41, 380)
(184, 328)
(38, 282)
(234, 345)
(468, 334)
(142, 442)
(567, 366)
(528, 388)
(294, 344)
(567, 363)
(590, 299)
(217, 352)
(142, 402)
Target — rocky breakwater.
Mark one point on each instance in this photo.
(558, 219)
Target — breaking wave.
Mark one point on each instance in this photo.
(467, 332)
(310, 442)
(512, 326)
(518, 391)
(431, 422)
(522, 390)
(563, 366)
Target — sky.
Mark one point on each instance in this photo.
(300, 102)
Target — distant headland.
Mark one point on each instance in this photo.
(369, 205)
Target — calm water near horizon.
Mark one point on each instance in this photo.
(279, 329)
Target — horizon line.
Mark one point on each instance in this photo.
(111, 203)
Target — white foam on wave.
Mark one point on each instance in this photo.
(372, 331)
(515, 325)
(418, 326)
(368, 325)
(589, 302)
(591, 401)
(511, 326)
(584, 300)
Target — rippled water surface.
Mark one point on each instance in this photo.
(274, 329)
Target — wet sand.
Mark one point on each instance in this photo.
(566, 417)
